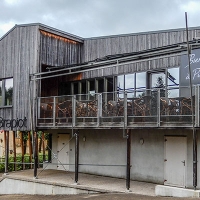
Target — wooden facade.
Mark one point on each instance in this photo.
(110, 45)
(35, 48)
(62, 81)
(23, 51)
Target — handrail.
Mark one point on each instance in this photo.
(119, 109)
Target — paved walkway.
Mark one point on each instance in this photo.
(86, 181)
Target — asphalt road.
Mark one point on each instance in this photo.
(92, 196)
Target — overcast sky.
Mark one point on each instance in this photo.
(88, 18)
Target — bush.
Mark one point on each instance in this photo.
(19, 164)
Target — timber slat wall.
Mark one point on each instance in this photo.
(102, 46)
(58, 50)
(18, 59)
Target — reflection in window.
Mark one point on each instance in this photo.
(8, 91)
(134, 84)
(141, 80)
(120, 83)
(130, 85)
(158, 80)
(173, 82)
(120, 86)
(140, 83)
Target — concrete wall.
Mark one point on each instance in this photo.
(100, 149)
(12, 186)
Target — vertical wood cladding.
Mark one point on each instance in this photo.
(58, 51)
(18, 59)
(119, 44)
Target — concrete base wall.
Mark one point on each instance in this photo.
(103, 152)
(168, 191)
(12, 186)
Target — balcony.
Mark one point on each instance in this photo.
(129, 109)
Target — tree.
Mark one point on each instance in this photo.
(8, 96)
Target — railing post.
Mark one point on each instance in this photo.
(49, 148)
(54, 111)
(158, 108)
(74, 110)
(38, 107)
(99, 109)
(125, 109)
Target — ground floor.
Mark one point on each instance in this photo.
(161, 156)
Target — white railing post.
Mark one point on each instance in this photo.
(125, 109)
(99, 109)
(158, 108)
(74, 110)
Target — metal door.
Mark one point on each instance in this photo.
(63, 152)
(175, 161)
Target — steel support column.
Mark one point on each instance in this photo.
(14, 150)
(6, 151)
(49, 147)
(128, 164)
(76, 155)
(35, 154)
(194, 158)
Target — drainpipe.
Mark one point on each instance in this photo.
(128, 164)
(76, 155)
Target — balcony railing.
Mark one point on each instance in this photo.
(158, 107)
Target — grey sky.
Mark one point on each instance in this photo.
(88, 18)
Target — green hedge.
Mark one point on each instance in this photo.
(19, 165)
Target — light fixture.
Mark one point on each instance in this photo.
(141, 141)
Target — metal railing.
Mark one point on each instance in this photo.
(158, 107)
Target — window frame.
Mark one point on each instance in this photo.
(3, 91)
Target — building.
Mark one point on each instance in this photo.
(115, 105)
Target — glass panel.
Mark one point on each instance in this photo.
(75, 88)
(83, 88)
(173, 82)
(129, 81)
(173, 77)
(141, 80)
(8, 91)
(158, 80)
(92, 89)
(120, 83)
(100, 85)
(0, 93)
(110, 85)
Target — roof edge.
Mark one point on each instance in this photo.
(142, 33)
(71, 36)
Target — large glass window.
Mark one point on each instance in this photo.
(6, 92)
(134, 84)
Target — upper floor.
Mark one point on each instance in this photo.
(41, 65)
